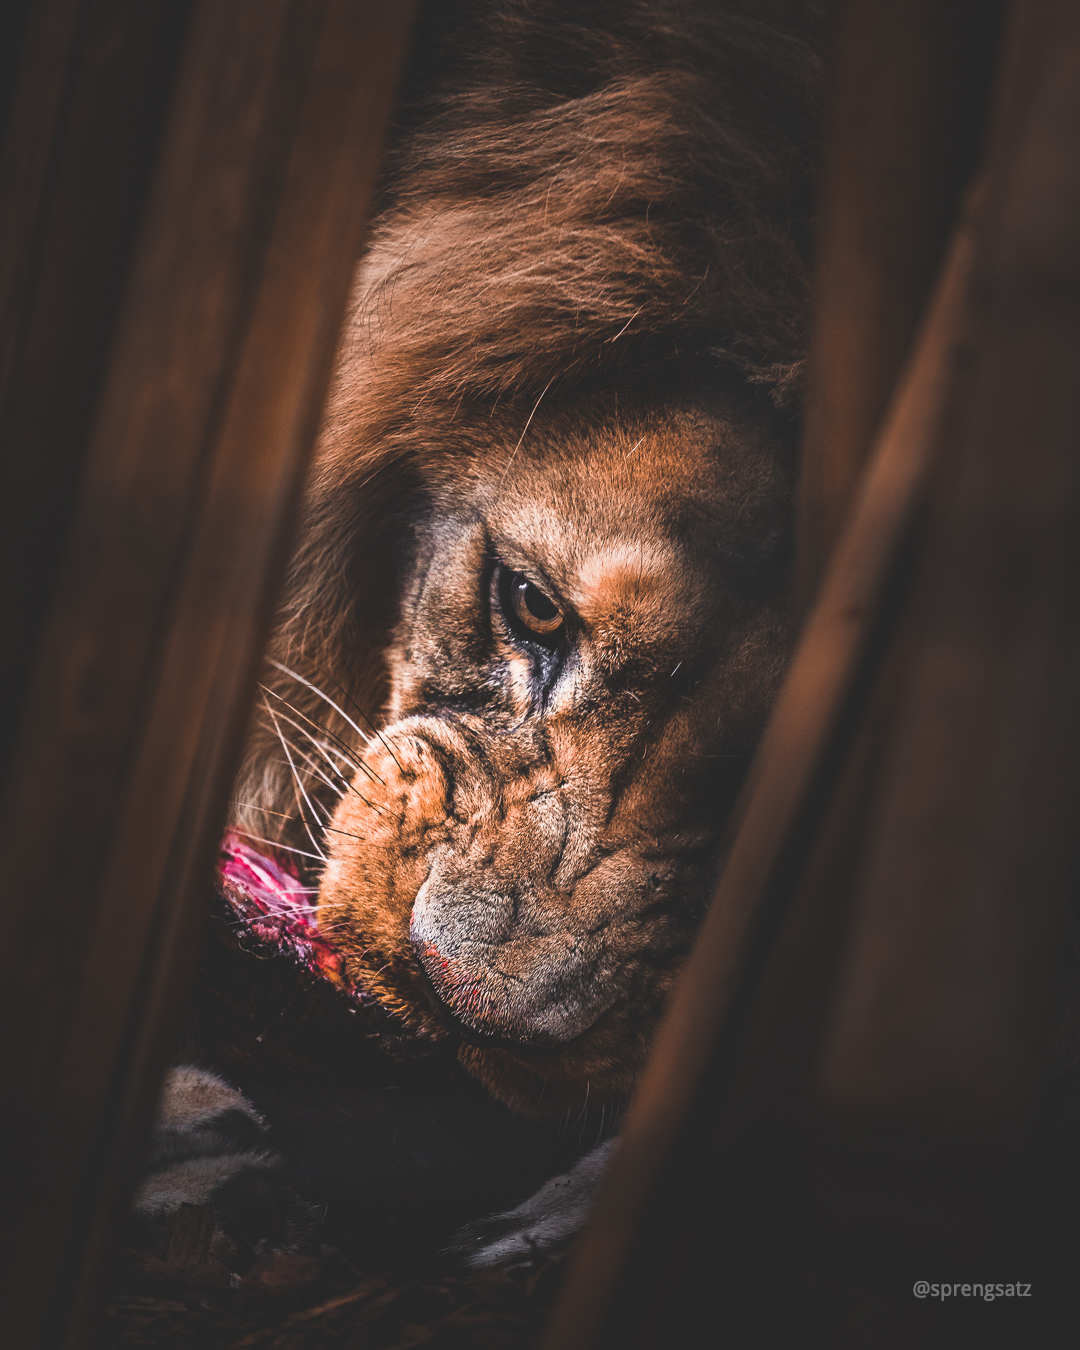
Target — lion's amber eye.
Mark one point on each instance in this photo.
(536, 613)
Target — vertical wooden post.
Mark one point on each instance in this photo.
(974, 834)
(911, 80)
(843, 1093)
(793, 777)
(169, 321)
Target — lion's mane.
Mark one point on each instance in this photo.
(574, 193)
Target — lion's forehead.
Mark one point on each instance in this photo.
(633, 507)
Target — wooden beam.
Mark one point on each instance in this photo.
(979, 790)
(92, 90)
(845, 1082)
(911, 80)
(777, 816)
(200, 357)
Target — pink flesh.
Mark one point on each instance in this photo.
(276, 908)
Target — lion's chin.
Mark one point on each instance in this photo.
(547, 1085)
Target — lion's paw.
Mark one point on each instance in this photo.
(538, 1226)
(213, 1187)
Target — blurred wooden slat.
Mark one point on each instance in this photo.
(90, 95)
(778, 814)
(197, 422)
(910, 83)
(880, 1112)
(905, 852)
(974, 836)
(13, 30)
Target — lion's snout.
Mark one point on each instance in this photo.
(456, 840)
(490, 962)
(491, 878)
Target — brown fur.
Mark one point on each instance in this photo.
(574, 352)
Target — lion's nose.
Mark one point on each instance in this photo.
(497, 979)
(450, 909)
(449, 925)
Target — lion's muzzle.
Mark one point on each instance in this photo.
(491, 964)
(495, 879)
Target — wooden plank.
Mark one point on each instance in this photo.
(974, 839)
(911, 79)
(203, 417)
(948, 823)
(91, 94)
(706, 1205)
(785, 778)
(877, 1110)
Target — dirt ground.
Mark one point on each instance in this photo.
(305, 1303)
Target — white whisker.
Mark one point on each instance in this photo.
(265, 810)
(276, 843)
(310, 738)
(313, 766)
(346, 785)
(328, 700)
(296, 778)
(334, 788)
(341, 749)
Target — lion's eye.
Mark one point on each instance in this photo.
(532, 613)
(533, 607)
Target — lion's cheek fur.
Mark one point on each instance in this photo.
(378, 843)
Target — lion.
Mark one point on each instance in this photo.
(539, 604)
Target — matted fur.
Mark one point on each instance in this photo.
(582, 202)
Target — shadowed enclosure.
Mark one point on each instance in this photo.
(866, 1073)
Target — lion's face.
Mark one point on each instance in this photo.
(592, 628)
